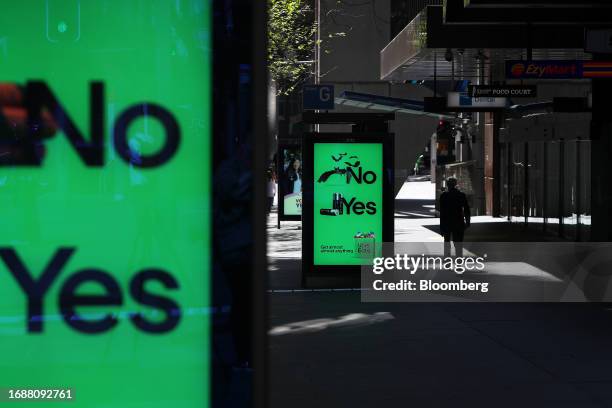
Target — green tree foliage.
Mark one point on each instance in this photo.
(291, 42)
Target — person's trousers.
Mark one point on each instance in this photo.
(456, 236)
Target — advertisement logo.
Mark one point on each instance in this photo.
(545, 69)
(518, 69)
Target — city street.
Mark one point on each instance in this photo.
(330, 349)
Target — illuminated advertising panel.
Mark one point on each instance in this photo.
(105, 185)
(348, 193)
(348, 204)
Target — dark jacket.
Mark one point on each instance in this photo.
(290, 179)
(454, 211)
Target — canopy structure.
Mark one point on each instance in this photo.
(385, 103)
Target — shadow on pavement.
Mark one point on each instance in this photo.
(408, 208)
(541, 355)
(501, 232)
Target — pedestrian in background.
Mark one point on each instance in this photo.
(271, 189)
(454, 217)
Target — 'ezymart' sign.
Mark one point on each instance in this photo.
(557, 69)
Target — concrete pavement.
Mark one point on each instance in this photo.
(328, 349)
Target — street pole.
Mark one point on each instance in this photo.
(318, 42)
(318, 49)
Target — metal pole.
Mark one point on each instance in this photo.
(545, 195)
(578, 191)
(526, 201)
(435, 74)
(529, 42)
(318, 42)
(317, 50)
(561, 207)
(510, 178)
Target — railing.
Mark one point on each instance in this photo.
(405, 45)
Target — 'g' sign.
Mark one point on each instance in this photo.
(319, 97)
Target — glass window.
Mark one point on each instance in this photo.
(536, 184)
(570, 193)
(517, 183)
(551, 205)
(504, 187)
(584, 190)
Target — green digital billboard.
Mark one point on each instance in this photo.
(290, 181)
(105, 209)
(347, 202)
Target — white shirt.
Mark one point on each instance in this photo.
(271, 188)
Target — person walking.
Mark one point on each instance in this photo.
(271, 189)
(454, 217)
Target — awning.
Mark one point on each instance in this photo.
(386, 103)
(421, 46)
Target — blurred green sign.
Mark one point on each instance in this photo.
(105, 186)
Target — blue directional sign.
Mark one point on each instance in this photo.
(319, 97)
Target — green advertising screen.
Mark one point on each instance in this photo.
(105, 201)
(290, 181)
(293, 204)
(348, 195)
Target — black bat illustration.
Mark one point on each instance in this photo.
(354, 157)
(356, 164)
(323, 178)
(340, 156)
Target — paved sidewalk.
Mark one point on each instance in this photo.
(437, 355)
(327, 349)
